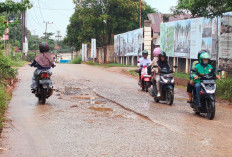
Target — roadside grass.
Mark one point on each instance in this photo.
(4, 99)
(18, 63)
(133, 73)
(116, 65)
(108, 65)
(181, 75)
(76, 60)
(93, 63)
(7, 73)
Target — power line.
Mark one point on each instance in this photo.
(40, 11)
(54, 9)
(34, 19)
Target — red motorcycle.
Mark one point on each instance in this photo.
(145, 79)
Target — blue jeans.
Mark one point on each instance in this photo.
(198, 89)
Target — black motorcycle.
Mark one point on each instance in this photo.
(166, 86)
(207, 94)
(44, 87)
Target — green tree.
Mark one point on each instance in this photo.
(102, 19)
(205, 8)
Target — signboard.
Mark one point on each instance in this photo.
(225, 43)
(129, 43)
(93, 48)
(84, 52)
(186, 38)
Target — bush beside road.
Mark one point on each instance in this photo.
(7, 79)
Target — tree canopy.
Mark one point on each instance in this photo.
(102, 19)
(203, 8)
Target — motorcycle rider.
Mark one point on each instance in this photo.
(43, 61)
(190, 85)
(202, 68)
(162, 63)
(143, 61)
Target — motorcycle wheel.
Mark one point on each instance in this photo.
(156, 100)
(169, 97)
(147, 84)
(210, 107)
(44, 96)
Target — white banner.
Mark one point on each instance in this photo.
(93, 48)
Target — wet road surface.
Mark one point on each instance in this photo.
(96, 112)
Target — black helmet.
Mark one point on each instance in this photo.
(162, 54)
(200, 52)
(43, 47)
(144, 52)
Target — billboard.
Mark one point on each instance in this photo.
(186, 38)
(129, 43)
(225, 43)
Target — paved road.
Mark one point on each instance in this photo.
(97, 112)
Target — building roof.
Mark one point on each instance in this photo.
(157, 19)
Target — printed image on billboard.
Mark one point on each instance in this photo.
(182, 38)
(207, 44)
(207, 28)
(167, 38)
(129, 44)
(225, 43)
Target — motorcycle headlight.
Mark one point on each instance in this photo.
(172, 81)
(165, 80)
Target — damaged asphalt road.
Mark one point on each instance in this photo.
(97, 112)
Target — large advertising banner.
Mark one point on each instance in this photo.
(196, 37)
(117, 45)
(167, 31)
(129, 44)
(186, 38)
(225, 44)
(182, 38)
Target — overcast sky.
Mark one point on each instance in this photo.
(59, 12)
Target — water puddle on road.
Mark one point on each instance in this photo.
(101, 109)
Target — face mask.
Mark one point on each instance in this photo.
(205, 61)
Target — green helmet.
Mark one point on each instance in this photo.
(205, 55)
(144, 52)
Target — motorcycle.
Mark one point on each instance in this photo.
(166, 86)
(145, 79)
(207, 95)
(44, 87)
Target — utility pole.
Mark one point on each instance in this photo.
(23, 30)
(47, 28)
(58, 36)
(140, 13)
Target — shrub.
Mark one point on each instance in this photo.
(3, 99)
(224, 89)
(6, 72)
(76, 60)
(31, 56)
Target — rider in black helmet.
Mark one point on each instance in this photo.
(162, 63)
(43, 61)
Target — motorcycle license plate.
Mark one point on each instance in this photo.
(208, 81)
(45, 81)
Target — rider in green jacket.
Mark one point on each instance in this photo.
(203, 68)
